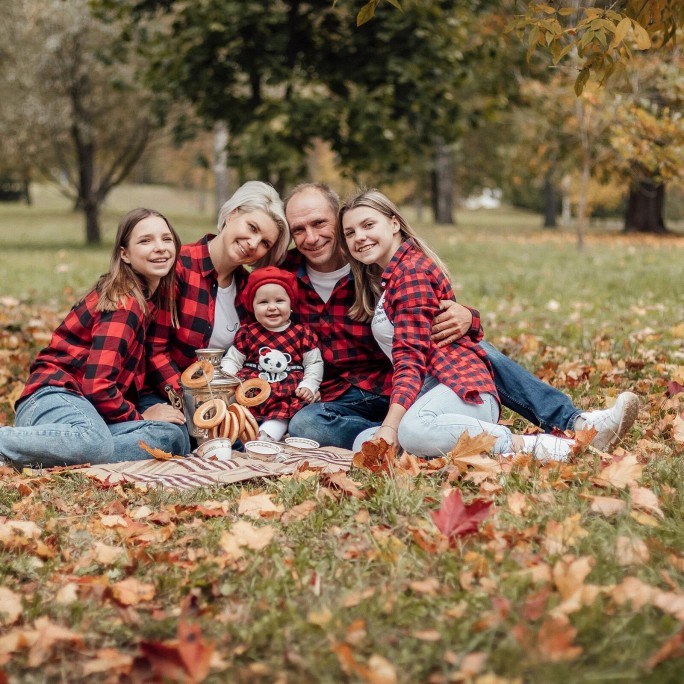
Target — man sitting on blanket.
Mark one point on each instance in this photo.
(358, 376)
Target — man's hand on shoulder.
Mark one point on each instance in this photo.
(453, 321)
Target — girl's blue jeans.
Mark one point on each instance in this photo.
(55, 426)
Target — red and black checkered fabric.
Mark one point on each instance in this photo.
(171, 349)
(350, 353)
(414, 286)
(98, 354)
(252, 340)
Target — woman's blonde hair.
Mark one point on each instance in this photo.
(367, 276)
(254, 195)
(122, 282)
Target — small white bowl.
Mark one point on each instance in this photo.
(301, 443)
(220, 447)
(263, 451)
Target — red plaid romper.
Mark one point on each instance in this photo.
(264, 349)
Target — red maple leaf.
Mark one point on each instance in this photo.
(455, 519)
(674, 388)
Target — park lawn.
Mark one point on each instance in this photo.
(576, 574)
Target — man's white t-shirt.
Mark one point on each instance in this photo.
(324, 283)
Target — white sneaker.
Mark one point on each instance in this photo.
(547, 447)
(611, 424)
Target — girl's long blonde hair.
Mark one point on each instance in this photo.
(367, 277)
(122, 282)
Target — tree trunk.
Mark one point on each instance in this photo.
(92, 222)
(645, 208)
(443, 185)
(220, 164)
(550, 202)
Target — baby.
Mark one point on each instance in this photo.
(283, 353)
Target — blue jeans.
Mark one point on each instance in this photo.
(147, 400)
(438, 417)
(55, 426)
(337, 423)
(524, 393)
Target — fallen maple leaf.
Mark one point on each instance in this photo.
(156, 452)
(672, 648)
(631, 551)
(607, 505)
(678, 429)
(472, 446)
(10, 606)
(377, 456)
(555, 639)
(621, 473)
(131, 591)
(299, 512)
(244, 534)
(108, 660)
(674, 388)
(259, 506)
(560, 535)
(455, 519)
(344, 483)
(646, 499)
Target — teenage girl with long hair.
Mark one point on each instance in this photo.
(79, 403)
(437, 393)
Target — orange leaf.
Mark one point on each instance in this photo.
(555, 639)
(131, 592)
(472, 446)
(157, 453)
(194, 651)
(377, 456)
(344, 483)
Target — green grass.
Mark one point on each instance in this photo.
(592, 323)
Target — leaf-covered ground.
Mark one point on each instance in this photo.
(469, 569)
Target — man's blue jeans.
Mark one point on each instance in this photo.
(336, 423)
(55, 426)
(524, 393)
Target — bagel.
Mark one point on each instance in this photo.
(226, 426)
(202, 417)
(190, 378)
(234, 431)
(251, 429)
(263, 392)
(237, 412)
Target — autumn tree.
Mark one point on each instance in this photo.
(79, 116)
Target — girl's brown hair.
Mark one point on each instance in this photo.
(367, 276)
(122, 282)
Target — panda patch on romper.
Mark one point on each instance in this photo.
(273, 363)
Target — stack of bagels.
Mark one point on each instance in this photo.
(233, 421)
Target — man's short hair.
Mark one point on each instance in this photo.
(330, 195)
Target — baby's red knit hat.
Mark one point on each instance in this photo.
(266, 275)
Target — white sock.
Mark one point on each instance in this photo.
(547, 447)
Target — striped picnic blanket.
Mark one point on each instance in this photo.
(194, 471)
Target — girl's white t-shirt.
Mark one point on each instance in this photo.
(383, 330)
(226, 320)
(324, 283)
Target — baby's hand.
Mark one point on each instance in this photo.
(304, 393)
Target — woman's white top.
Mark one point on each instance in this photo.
(383, 330)
(226, 320)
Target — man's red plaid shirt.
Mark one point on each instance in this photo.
(172, 350)
(350, 354)
(414, 286)
(99, 355)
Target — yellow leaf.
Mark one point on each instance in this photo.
(259, 506)
(319, 617)
(621, 31)
(607, 505)
(472, 446)
(620, 473)
(641, 37)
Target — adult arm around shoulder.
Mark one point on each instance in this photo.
(453, 322)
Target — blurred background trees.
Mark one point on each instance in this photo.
(570, 107)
